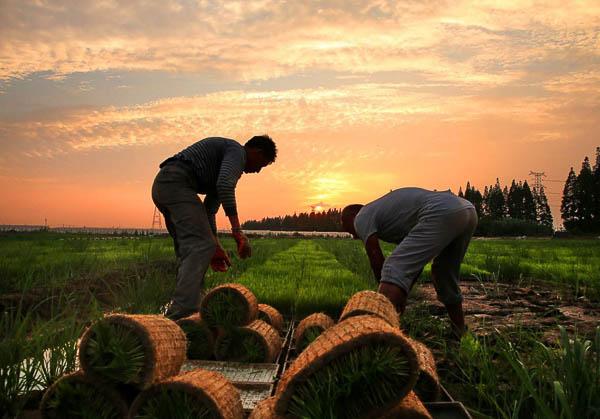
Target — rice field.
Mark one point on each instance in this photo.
(53, 285)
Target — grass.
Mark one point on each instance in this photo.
(310, 334)
(240, 345)
(175, 405)
(225, 307)
(351, 385)
(200, 341)
(53, 285)
(115, 353)
(75, 399)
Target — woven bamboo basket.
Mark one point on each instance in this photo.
(341, 343)
(257, 342)
(73, 393)
(271, 315)
(309, 328)
(206, 389)
(201, 340)
(428, 386)
(229, 305)
(163, 344)
(265, 410)
(410, 407)
(371, 303)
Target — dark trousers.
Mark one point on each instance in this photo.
(174, 194)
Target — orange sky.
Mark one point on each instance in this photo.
(361, 97)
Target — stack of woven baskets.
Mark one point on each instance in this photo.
(363, 366)
(232, 326)
(130, 368)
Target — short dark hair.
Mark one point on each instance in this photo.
(351, 210)
(265, 144)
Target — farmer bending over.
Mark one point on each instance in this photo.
(212, 167)
(425, 225)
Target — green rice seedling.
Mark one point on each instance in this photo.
(229, 305)
(116, 353)
(240, 345)
(195, 394)
(172, 404)
(308, 337)
(76, 396)
(352, 385)
(200, 337)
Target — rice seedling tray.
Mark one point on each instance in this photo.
(252, 394)
(237, 372)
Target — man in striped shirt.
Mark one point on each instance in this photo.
(212, 167)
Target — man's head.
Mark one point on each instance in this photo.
(348, 216)
(260, 152)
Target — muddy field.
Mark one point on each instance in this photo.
(537, 306)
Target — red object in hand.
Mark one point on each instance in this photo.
(243, 244)
(220, 261)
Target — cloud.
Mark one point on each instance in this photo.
(486, 43)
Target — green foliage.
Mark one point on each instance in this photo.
(199, 340)
(74, 399)
(310, 334)
(225, 307)
(33, 354)
(240, 345)
(116, 353)
(353, 384)
(173, 404)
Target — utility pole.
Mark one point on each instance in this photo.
(537, 180)
(156, 220)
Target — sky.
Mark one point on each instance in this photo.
(360, 96)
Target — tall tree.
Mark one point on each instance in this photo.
(543, 213)
(529, 212)
(596, 209)
(584, 199)
(514, 201)
(496, 202)
(568, 208)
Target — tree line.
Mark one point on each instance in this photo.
(506, 210)
(580, 206)
(305, 221)
(515, 210)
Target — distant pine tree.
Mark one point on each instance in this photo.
(568, 209)
(596, 208)
(529, 213)
(496, 202)
(543, 213)
(584, 199)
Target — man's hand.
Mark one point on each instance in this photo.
(243, 244)
(220, 261)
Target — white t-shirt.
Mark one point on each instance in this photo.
(393, 215)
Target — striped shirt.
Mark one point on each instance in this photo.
(218, 164)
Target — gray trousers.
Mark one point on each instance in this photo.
(174, 194)
(444, 239)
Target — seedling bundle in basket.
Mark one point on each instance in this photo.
(77, 395)
(257, 342)
(229, 305)
(132, 349)
(359, 366)
(200, 337)
(371, 303)
(311, 328)
(196, 394)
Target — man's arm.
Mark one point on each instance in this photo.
(375, 255)
(232, 167)
(212, 204)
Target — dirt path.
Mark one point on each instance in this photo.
(536, 306)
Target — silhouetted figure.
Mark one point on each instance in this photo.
(427, 226)
(212, 167)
